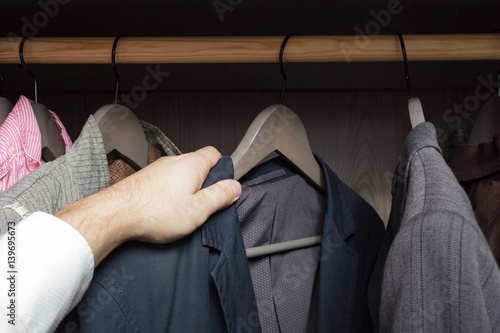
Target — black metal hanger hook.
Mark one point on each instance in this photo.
(23, 63)
(113, 63)
(283, 74)
(2, 81)
(407, 76)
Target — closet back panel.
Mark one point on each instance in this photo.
(358, 133)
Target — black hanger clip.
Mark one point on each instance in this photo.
(23, 63)
(113, 63)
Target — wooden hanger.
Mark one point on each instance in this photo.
(277, 130)
(415, 109)
(53, 144)
(488, 120)
(121, 130)
(5, 106)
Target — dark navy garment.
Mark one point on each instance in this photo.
(202, 282)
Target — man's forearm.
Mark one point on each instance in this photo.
(98, 218)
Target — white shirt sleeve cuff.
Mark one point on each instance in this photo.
(51, 266)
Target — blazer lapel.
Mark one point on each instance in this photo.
(230, 273)
(338, 263)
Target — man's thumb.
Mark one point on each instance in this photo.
(218, 196)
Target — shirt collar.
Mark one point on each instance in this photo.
(88, 153)
(159, 140)
(29, 130)
(31, 139)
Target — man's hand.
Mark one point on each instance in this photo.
(159, 204)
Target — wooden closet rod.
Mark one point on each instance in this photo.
(251, 49)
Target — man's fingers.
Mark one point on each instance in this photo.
(215, 197)
(210, 154)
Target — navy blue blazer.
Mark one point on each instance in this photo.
(202, 282)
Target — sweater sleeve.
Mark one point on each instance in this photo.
(46, 267)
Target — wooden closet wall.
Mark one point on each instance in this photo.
(355, 113)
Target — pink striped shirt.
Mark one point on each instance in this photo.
(21, 143)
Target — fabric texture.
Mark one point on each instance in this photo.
(439, 274)
(477, 168)
(82, 171)
(272, 210)
(202, 283)
(49, 253)
(120, 169)
(21, 143)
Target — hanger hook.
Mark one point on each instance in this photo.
(23, 63)
(283, 74)
(2, 81)
(407, 76)
(498, 81)
(113, 62)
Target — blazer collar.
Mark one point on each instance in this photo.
(422, 136)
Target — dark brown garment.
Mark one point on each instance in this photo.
(119, 169)
(477, 168)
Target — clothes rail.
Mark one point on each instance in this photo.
(357, 48)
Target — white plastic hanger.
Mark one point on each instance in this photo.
(5, 106)
(488, 120)
(414, 106)
(278, 130)
(121, 130)
(53, 144)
